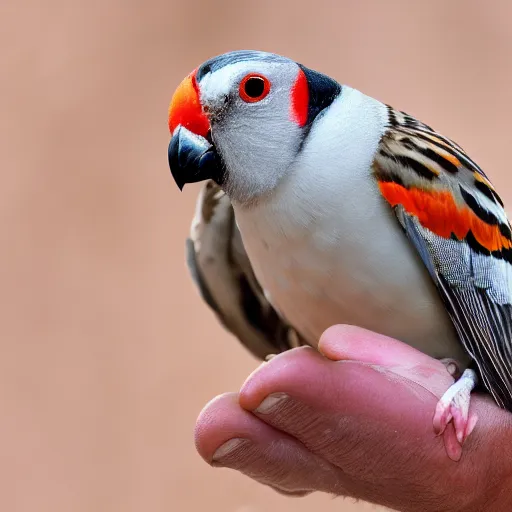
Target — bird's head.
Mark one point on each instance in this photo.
(242, 118)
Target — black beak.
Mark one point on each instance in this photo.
(193, 158)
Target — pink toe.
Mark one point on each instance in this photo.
(472, 421)
(442, 417)
(460, 420)
(451, 444)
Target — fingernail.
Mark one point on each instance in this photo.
(270, 402)
(227, 448)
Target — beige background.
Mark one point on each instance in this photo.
(107, 353)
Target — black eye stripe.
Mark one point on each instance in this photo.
(254, 87)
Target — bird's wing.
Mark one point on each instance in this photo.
(223, 274)
(457, 223)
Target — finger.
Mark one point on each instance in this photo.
(228, 436)
(347, 342)
(341, 342)
(364, 420)
(337, 399)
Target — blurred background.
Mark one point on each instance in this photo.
(107, 352)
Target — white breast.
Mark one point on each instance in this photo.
(327, 248)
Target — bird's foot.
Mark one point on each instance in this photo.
(454, 406)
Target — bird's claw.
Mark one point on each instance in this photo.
(454, 407)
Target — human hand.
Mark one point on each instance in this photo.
(357, 421)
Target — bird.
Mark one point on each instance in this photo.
(321, 205)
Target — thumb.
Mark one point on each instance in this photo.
(348, 342)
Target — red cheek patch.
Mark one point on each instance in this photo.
(299, 99)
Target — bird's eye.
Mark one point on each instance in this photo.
(254, 88)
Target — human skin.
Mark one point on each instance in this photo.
(355, 419)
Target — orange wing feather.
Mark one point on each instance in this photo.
(437, 211)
